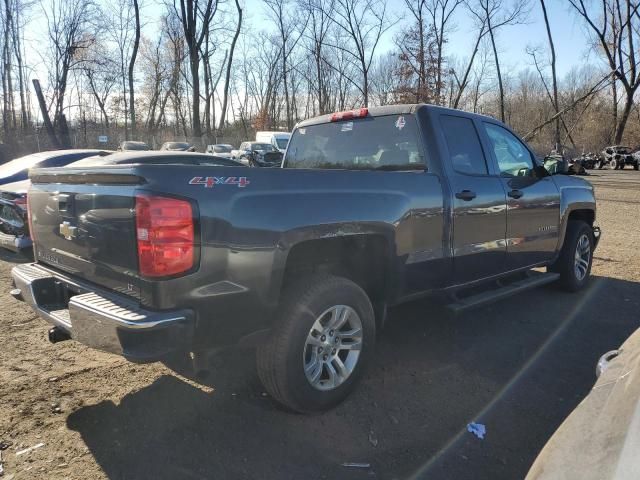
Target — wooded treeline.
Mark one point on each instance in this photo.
(211, 70)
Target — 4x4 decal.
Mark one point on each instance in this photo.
(209, 182)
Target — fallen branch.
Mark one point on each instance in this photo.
(596, 88)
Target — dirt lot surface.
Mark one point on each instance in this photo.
(519, 367)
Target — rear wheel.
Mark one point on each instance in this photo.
(636, 165)
(574, 262)
(320, 343)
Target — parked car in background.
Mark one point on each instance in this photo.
(277, 140)
(257, 154)
(14, 234)
(18, 169)
(130, 145)
(616, 157)
(220, 149)
(178, 147)
(599, 440)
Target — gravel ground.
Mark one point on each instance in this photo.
(519, 367)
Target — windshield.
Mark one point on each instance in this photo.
(282, 142)
(221, 149)
(384, 143)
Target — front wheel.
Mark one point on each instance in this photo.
(574, 262)
(320, 344)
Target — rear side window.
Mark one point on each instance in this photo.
(389, 142)
(465, 151)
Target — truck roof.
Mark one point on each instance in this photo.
(407, 108)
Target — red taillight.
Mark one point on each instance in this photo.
(359, 113)
(165, 233)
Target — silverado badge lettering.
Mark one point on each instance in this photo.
(209, 182)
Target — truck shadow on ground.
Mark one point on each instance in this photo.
(518, 366)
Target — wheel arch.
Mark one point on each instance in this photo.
(364, 258)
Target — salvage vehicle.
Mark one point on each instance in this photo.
(599, 439)
(372, 208)
(14, 232)
(256, 154)
(616, 157)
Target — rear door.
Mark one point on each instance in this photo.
(479, 202)
(87, 230)
(533, 201)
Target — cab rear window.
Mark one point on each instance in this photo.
(389, 142)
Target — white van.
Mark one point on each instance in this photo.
(278, 139)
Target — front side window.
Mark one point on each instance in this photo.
(389, 142)
(514, 159)
(465, 152)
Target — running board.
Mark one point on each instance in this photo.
(533, 280)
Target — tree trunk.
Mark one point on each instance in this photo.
(554, 77)
(628, 105)
(497, 62)
(132, 63)
(225, 98)
(194, 62)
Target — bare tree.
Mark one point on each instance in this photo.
(495, 15)
(70, 29)
(615, 27)
(195, 17)
(227, 79)
(441, 12)
(316, 34)
(554, 78)
(363, 23)
(132, 63)
(290, 31)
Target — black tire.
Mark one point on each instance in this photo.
(566, 262)
(636, 166)
(280, 361)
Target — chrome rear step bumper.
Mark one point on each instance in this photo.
(102, 320)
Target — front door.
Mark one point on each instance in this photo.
(533, 201)
(479, 204)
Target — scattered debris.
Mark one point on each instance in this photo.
(30, 449)
(478, 429)
(53, 379)
(394, 420)
(4, 444)
(356, 465)
(373, 440)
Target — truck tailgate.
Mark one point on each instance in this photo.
(87, 228)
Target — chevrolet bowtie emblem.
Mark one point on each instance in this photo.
(67, 231)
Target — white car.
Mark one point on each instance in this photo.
(279, 140)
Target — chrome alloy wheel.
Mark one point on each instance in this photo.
(332, 348)
(582, 257)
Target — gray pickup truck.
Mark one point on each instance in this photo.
(371, 208)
